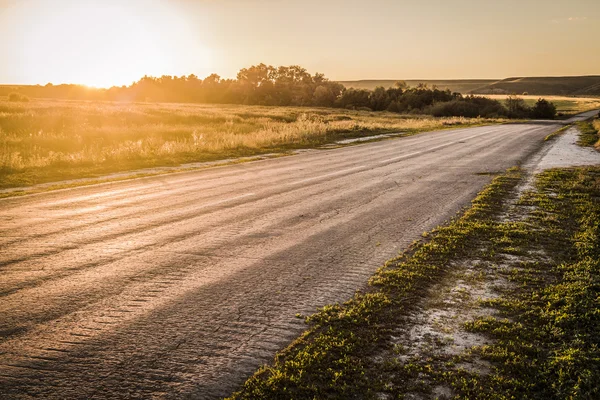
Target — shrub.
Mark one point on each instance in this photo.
(516, 107)
(543, 109)
(469, 106)
(18, 97)
(454, 108)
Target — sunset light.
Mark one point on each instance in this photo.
(103, 43)
(299, 199)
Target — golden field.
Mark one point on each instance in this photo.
(50, 140)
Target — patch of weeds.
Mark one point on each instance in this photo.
(546, 330)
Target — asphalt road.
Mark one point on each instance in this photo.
(182, 285)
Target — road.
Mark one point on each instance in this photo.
(182, 285)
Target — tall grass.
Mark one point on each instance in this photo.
(78, 137)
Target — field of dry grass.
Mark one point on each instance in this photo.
(50, 140)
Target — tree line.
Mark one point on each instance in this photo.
(295, 86)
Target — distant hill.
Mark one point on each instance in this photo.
(552, 85)
(555, 85)
(456, 85)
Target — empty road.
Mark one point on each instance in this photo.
(182, 285)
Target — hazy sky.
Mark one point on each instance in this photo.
(106, 42)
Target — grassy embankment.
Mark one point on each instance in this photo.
(45, 141)
(589, 133)
(506, 298)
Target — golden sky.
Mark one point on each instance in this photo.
(108, 42)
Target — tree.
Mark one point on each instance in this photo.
(401, 85)
(516, 107)
(379, 99)
(323, 96)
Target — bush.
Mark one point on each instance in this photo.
(469, 106)
(516, 107)
(18, 97)
(454, 108)
(543, 109)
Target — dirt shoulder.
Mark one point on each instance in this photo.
(500, 303)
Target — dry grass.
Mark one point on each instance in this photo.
(46, 140)
(564, 104)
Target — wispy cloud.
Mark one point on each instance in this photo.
(568, 20)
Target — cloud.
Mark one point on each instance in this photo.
(568, 20)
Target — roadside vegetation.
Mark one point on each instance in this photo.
(589, 133)
(501, 303)
(45, 141)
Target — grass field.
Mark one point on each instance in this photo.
(565, 105)
(51, 140)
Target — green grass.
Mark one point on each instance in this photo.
(544, 328)
(547, 328)
(588, 133)
(556, 133)
(52, 140)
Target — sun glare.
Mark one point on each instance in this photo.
(102, 44)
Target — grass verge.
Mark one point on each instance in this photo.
(589, 135)
(556, 133)
(540, 329)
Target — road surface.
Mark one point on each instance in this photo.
(182, 285)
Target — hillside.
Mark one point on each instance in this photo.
(559, 85)
(454, 85)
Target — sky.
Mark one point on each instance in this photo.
(107, 42)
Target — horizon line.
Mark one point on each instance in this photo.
(331, 80)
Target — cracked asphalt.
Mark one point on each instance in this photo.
(180, 286)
